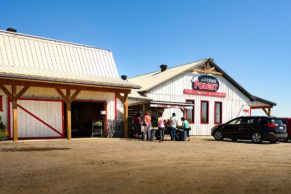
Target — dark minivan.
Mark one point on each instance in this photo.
(257, 129)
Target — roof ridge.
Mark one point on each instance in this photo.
(53, 40)
(176, 66)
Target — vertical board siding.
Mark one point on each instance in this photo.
(49, 93)
(30, 127)
(232, 105)
(18, 50)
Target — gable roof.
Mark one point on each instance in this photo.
(151, 80)
(31, 57)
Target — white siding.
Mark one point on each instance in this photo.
(232, 105)
(49, 111)
(29, 126)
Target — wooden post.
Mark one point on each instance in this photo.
(68, 100)
(14, 112)
(13, 97)
(269, 112)
(69, 115)
(125, 115)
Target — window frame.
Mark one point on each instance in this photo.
(202, 101)
(193, 112)
(1, 103)
(221, 112)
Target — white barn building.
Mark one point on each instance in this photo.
(56, 89)
(200, 91)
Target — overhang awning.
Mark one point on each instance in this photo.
(161, 104)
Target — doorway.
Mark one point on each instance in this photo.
(84, 113)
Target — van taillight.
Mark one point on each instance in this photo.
(271, 125)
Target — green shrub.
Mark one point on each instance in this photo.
(3, 131)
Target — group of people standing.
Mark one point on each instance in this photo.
(149, 132)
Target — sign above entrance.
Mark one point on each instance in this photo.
(204, 93)
(205, 83)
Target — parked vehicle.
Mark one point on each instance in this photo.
(287, 121)
(253, 128)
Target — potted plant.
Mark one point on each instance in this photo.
(3, 131)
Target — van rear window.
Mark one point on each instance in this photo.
(276, 121)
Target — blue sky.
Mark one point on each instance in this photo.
(250, 40)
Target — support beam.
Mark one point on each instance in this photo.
(69, 114)
(207, 72)
(125, 115)
(22, 91)
(74, 96)
(6, 91)
(119, 97)
(68, 98)
(69, 121)
(62, 95)
(124, 101)
(14, 112)
(267, 111)
(14, 96)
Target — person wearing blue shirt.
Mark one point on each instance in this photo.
(186, 127)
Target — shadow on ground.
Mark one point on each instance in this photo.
(240, 142)
(32, 149)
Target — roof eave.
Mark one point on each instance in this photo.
(265, 101)
(71, 82)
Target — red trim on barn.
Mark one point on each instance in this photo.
(53, 137)
(193, 111)
(207, 112)
(63, 118)
(115, 107)
(34, 99)
(220, 112)
(1, 103)
(8, 118)
(39, 119)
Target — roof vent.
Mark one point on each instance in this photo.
(163, 67)
(11, 30)
(124, 77)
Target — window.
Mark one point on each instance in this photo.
(204, 112)
(235, 122)
(189, 113)
(1, 104)
(218, 113)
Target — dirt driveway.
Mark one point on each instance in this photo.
(132, 166)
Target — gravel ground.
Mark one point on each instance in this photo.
(132, 166)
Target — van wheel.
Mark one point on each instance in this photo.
(218, 135)
(257, 138)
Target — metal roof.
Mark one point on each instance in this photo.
(31, 57)
(151, 80)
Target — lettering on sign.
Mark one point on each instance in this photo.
(205, 83)
(204, 93)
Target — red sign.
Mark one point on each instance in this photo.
(246, 111)
(205, 83)
(205, 93)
